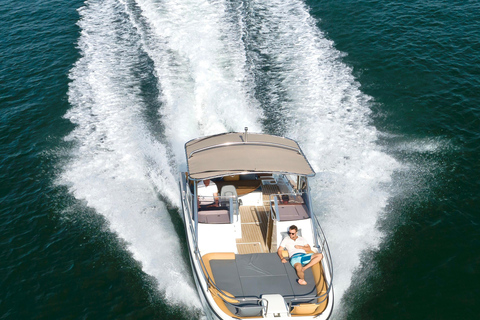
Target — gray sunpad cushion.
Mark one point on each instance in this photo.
(259, 264)
(252, 275)
(226, 276)
(299, 290)
(256, 286)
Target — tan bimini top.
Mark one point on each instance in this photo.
(229, 154)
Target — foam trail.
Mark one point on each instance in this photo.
(200, 60)
(322, 107)
(117, 166)
(212, 61)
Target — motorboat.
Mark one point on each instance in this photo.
(233, 234)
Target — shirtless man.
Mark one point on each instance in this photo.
(297, 248)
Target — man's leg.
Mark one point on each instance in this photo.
(316, 257)
(300, 274)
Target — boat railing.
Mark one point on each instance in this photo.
(296, 300)
(187, 202)
(322, 246)
(321, 242)
(246, 307)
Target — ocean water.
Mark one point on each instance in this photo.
(98, 98)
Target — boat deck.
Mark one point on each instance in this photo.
(255, 224)
(254, 230)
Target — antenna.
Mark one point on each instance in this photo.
(246, 130)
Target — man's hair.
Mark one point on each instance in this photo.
(293, 227)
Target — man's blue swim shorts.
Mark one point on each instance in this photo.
(303, 258)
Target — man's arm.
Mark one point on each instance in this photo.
(214, 192)
(305, 247)
(280, 254)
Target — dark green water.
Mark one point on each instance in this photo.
(384, 97)
(420, 62)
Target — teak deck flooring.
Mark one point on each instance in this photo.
(254, 224)
(254, 230)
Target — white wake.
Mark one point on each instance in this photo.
(327, 113)
(207, 77)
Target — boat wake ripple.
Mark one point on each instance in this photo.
(314, 99)
(117, 166)
(215, 66)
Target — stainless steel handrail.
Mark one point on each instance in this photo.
(326, 249)
(258, 300)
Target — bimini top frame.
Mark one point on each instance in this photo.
(238, 153)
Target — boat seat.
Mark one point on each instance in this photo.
(228, 191)
(245, 309)
(214, 216)
(242, 186)
(291, 212)
(304, 309)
